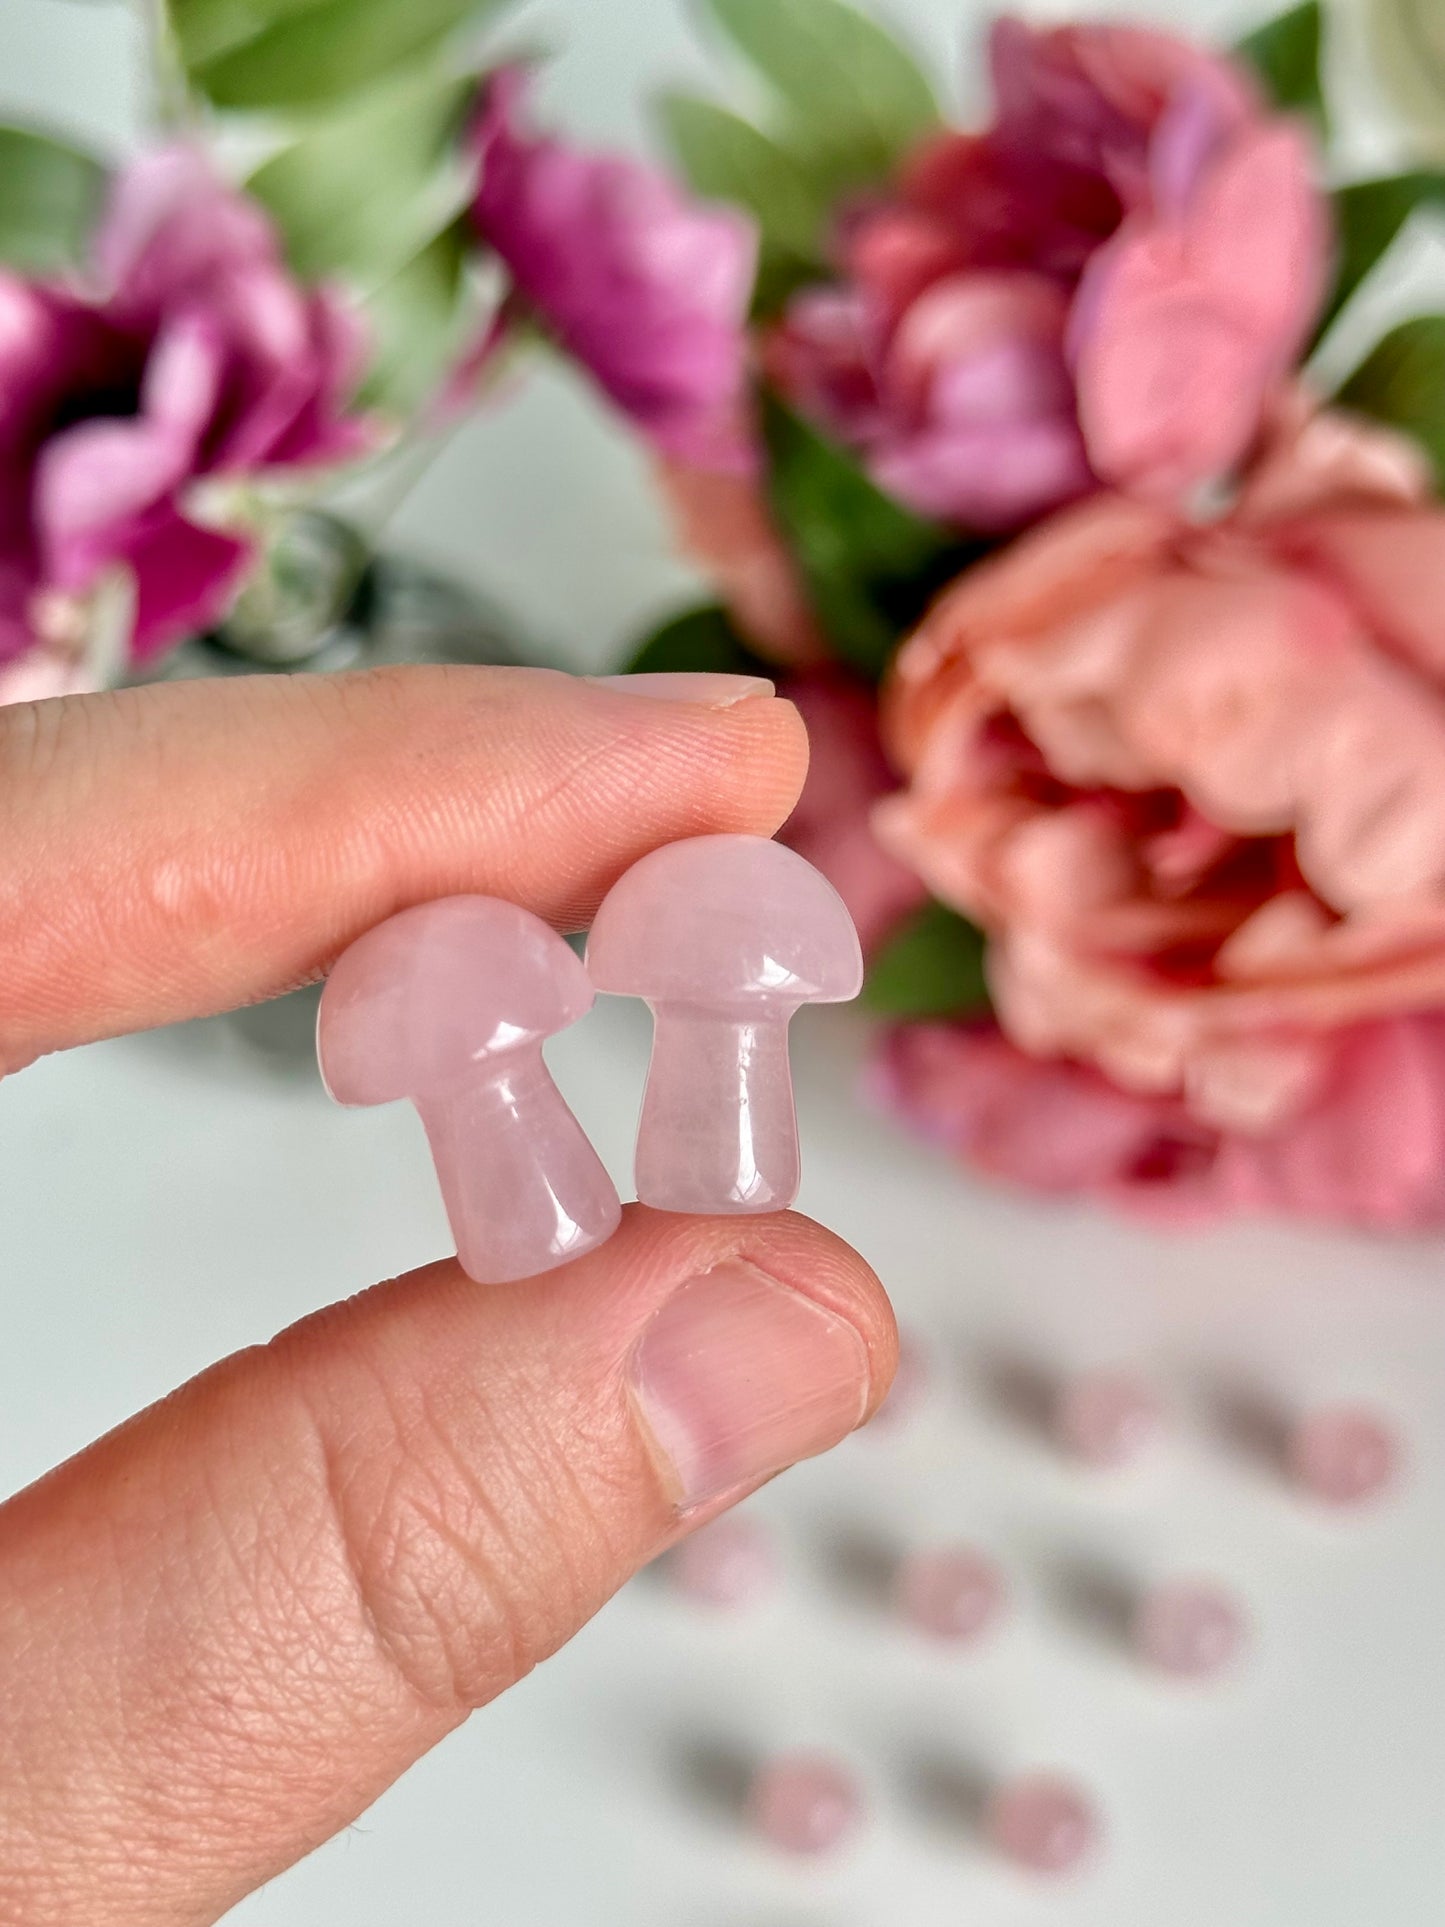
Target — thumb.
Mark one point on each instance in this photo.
(229, 1625)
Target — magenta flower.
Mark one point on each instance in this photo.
(646, 289)
(1111, 281)
(192, 357)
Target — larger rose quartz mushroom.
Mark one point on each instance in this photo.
(725, 937)
(449, 1004)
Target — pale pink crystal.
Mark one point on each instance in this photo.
(448, 1004)
(1189, 1627)
(725, 937)
(952, 1592)
(730, 1563)
(805, 1802)
(1343, 1454)
(1105, 1418)
(1041, 1822)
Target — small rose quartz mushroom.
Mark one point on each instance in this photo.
(725, 937)
(448, 1004)
(1041, 1822)
(805, 1803)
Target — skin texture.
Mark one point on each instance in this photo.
(226, 1627)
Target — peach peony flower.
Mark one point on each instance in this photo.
(1191, 778)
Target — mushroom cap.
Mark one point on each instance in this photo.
(725, 922)
(418, 1003)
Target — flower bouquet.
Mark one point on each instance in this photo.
(1057, 463)
(1022, 453)
(282, 296)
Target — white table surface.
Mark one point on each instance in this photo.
(168, 1199)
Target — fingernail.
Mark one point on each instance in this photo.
(738, 1376)
(707, 689)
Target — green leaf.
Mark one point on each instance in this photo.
(1403, 384)
(418, 319)
(699, 640)
(321, 50)
(205, 29)
(856, 96)
(365, 189)
(726, 158)
(1285, 53)
(871, 566)
(931, 967)
(49, 196)
(1369, 216)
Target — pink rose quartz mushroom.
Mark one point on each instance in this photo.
(1042, 1823)
(449, 1004)
(805, 1803)
(1343, 1454)
(1188, 1628)
(725, 937)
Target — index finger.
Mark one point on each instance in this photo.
(173, 851)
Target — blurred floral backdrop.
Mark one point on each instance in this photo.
(1049, 455)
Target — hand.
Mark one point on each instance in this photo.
(228, 1626)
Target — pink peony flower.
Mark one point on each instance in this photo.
(847, 775)
(647, 290)
(1048, 1124)
(193, 357)
(1368, 1149)
(1191, 779)
(1110, 281)
(964, 409)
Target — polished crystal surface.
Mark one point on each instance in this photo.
(449, 1004)
(725, 937)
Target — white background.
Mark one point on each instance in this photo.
(166, 1200)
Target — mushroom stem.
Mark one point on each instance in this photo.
(718, 1130)
(518, 1174)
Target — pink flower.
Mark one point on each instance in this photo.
(194, 356)
(1191, 779)
(1112, 280)
(1368, 1149)
(1186, 325)
(847, 775)
(964, 409)
(1048, 1124)
(647, 290)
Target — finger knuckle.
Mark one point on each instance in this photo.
(472, 1551)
